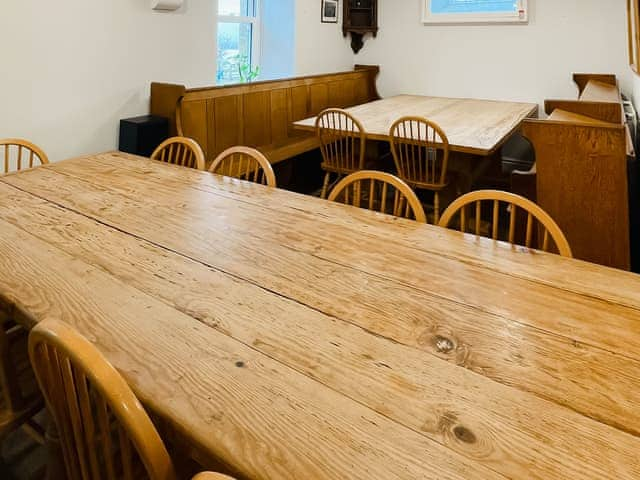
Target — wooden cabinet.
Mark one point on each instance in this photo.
(359, 18)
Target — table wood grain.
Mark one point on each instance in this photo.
(472, 126)
(289, 337)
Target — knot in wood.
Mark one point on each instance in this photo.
(443, 344)
(464, 434)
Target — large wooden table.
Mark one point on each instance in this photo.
(289, 337)
(477, 127)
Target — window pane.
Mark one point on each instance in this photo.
(243, 8)
(474, 6)
(234, 50)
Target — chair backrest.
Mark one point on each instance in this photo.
(342, 140)
(381, 192)
(181, 151)
(536, 221)
(104, 430)
(420, 150)
(246, 164)
(19, 154)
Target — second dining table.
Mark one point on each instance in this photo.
(283, 336)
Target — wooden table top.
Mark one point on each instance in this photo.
(291, 337)
(473, 126)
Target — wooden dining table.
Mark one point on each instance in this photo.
(473, 126)
(287, 337)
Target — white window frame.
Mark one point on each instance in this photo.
(256, 30)
(428, 18)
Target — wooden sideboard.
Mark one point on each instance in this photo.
(581, 169)
(260, 114)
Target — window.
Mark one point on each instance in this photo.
(475, 11)
(238, 40)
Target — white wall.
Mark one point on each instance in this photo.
(72, 69)
(320, 47)
(519, 62)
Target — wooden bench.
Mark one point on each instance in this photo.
(260, 114)
(581, 169)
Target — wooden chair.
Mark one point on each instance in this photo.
(342, 143)
(181, 151)
(246, 164)
(34, 155)
(548, 229)
(104, 430)
(20, 398)
(381, 192)
(420, 150)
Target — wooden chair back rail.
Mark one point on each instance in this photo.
(342, 141)
(34, 154)
(421, 151)
(103, 427)
(380, 192)
(181, 151)
(535, 217)
(259, 114)
(246, 164)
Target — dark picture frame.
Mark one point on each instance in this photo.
(329, 11)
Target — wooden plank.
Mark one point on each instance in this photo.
(257, 119)
(473, 126)
(438, 400)
(588, 164)
(587, 279)
(232, 400)
(226, 120)
(361, 297)
(194, 120)
(279, 116)
(559, 115)
(607, 112)
(597, 91)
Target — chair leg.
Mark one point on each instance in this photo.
(436, 208)
(34, 430)
(325, 185)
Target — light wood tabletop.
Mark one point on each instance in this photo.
(289, 337)
(473, 126)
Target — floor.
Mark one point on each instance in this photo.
(22, 458)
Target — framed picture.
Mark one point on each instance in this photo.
(330, 11)
(633, 24)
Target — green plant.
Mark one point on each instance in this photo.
(246, 71)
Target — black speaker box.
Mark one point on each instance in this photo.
(141, 135)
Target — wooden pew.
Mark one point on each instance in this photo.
(260, 114)
(581, 169)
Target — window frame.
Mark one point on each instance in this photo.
(520, 18)
(256, 29)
